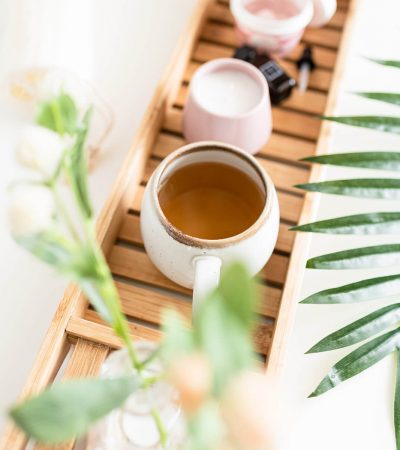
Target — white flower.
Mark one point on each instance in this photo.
(56, 81)
(31, 210)
(41, 149)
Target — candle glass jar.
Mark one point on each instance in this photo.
(228, 102)
(271, 26)
(132, 426)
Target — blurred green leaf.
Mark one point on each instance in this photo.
(367, 160)
(205, 428)
(76, 165)
(55, 249)
(358, 258)
(361, 329)
(238, 291)
(357, 292)
(386, 62)
(178, 338)
(379, 123)
(385, 188)
(66, 410)
(370, 223)
(360, 359)
(387, 97)
(220, 334)
(59, 114)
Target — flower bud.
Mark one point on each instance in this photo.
(41, 149)
(249, 412)
(31, 210)
(191, 376)
(56, 81)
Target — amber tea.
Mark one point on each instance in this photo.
(211, 200)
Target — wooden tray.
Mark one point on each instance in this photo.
(77, 337)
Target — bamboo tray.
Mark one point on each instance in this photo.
(77, 338)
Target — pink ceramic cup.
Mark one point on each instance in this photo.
(248, 128)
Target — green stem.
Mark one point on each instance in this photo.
(110, 294)
(63, 211)
(160, 427)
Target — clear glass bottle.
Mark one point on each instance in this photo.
(132, 427)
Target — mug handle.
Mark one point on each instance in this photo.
(206, 278)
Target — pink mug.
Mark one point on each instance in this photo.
(228, 102)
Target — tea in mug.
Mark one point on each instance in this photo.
(211, 200)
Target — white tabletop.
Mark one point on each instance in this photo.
(358, 413)
(128, 47)
(126, 64)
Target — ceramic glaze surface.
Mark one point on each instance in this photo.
(244, 122)
(177, 256)
(273, 26)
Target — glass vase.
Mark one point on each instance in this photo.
(132, 427)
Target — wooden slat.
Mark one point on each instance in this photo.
(278, 146)
(130, 232)
(327, 37)
(312, 102)
(287, 122)
(135, 264)
(338, 19)
(140, 303)
(295, 124)
(95, 329)
(286, 317)
(317, 36)
(323, 57)
(226, 36)
(92, 328)
(290, 205)
(85, 362)
(144, 290)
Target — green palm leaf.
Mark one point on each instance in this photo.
(387, 97)
(360, 359)
(386, 62)
(385, 188)
(359, 291)
(371, 223)
(380, 123)
(359, 330)
(368, 160)
(358, 258)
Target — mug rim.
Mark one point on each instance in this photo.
(193, 241)
(244, 67)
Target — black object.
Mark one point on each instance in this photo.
(306, 58)
(305, 65)
(279, 83)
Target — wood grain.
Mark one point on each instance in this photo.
(143, 289)
(279, 146)
(291, 123)
(85, 362)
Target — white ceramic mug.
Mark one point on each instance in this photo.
(193, 262)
